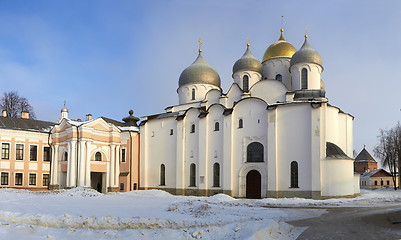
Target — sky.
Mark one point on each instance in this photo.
(107, 57)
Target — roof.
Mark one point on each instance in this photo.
(376, 173)
(334, 151)
(114, 122)
(364, 156)
(25, 124)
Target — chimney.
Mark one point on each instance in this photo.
(24, 115)
(4, 114)
(88, 117)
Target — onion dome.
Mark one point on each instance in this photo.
(281, 48)
(64, 109)
(247, 62)
(306, 54)
(199, 72)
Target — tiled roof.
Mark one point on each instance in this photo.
(334, 151)
(25, 124)
(364, 156)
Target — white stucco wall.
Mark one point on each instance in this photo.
(278, 65)
(314, 75)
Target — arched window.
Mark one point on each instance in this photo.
(304, 79)
(240, 123)
(65, 156)
(254, 152)
(245, 83)
(162, 175)
(193, 93)
(98, 156)
(216, 175)
(279, 77)
(192, 175)
(216, 126)
(192, 128)
(294, 174)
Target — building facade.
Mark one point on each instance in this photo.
(273, 134)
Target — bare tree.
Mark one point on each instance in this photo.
(15, 104)
(389, 151)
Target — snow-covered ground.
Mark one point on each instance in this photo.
(86, 214)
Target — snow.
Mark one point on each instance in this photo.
(82, 213)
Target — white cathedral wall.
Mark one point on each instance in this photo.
(191, 147)
(314, 75)
(185, 92)
(233, 95)
(294, 144)
(275, 66)
(254, 77)
(339, 130)
(271, 91)
(338, 177)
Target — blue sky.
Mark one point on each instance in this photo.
(106, 57)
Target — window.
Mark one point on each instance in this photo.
(216, 175)
(304, 78)
(5, 151)
(192, 175)
(121, 186)
(388, 182)
(279, 77)
(19, 152)
(171, 131)
(98, 156)
(294, 174)
(240, 123)
(123, 155)
(4, 178)
(33, 153)
(216, 126)
(32, 179)
(192, 128)
(46, 180)
(135, 186)
(381, 182)
(46, 154)
(245, 83)
(65, 156)
(375, 183)
(18, 179)
(162, 175)
(193, 93)
(254, 152)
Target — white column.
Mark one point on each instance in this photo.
(81, 164)
(117, 169)
(67, 184)
(112, 164)
(54, 168)
(88, 165)
(72, 164)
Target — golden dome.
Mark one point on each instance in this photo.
(281, 48)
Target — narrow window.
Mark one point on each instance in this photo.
(381, 182)
(304, 79)
(240, 123)
(33, 153)
(375, 183)
(171, 131)
(192, 175)
(216, 175)
(45, 180)
(4, 178)
(193, 93)
(294, 174)
(245, 83)
(46, 154)
(254, 152)
(388, 182)
(19, 152)
(216, 126)
(121, 186)
(162, 175)
(32, 179)
(5, 151)
(279, 77)
(18, 179)
(65, 156)
(123, 155)
(135, 186)
(192, 128)
(98, 156)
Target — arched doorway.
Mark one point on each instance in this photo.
(253, 184)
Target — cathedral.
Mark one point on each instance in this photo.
(272, 134)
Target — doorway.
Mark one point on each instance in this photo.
(253, 184)
(96, 181)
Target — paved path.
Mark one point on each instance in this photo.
(362, 223)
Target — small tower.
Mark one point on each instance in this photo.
(196, 80)
(131, 121)
(306, 69)
(276, 61)
(247, 70)
(64, 113)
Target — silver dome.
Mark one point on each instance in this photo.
(199, 72)
(306, 54)
(247, 62)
